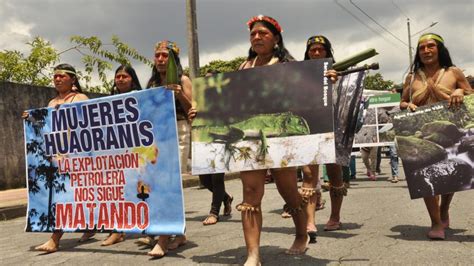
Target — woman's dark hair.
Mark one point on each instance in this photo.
(280, 52)
(71, 71)
(155, 79)
(443, 55)
(131, 71)
(325, 43)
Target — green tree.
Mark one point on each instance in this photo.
(32, 69)
(219, 66)
(97, 57)
(376, 82)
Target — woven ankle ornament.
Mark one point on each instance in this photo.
(307, 193)
(245, 207)
(338, 191)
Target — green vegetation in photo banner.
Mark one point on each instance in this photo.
(385, 98)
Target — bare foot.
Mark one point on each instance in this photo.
(332, 225)
(113, 238)
(86, 236)
(160, 249)
(436, 232)
(49, 247)
(177, 242)
(299, 246)
(147, 241)
(253, 260)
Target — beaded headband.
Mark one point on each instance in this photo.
(64, 71)
(430, 36)
(167, 45)
(315, 39)
(267, 19)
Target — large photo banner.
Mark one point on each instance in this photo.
(347, 105)
(377, 129)
(436, 145)
(107, 164)
(266, 117)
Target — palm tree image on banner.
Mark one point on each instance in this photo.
(266, 117)
(108, 164)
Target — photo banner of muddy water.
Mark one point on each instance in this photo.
(436, 145)
(107, 164)
(266, 117)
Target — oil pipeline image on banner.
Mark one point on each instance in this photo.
(265, 117)
(108, 164)
(436, 145)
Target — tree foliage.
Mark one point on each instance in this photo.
(376, 82)
(32, 69)
(97, 57)
(221, 66)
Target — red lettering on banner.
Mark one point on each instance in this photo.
(143, 218)
(79, 217)
(116, 217)
(63, 215)
(110, 194)
(84, 194)
(129, 215)
(91, 206)
(103, 220)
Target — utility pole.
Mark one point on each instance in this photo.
(410, 54)
(193, 49)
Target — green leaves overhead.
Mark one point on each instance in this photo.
(98, 59)
(171, 69)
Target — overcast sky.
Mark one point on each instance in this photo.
(223, 34)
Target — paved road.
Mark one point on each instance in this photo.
(381, 225)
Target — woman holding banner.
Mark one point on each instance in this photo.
(319, 47)
(68, 90)
(125, 80)
(183, 96)
(267, 49)
(434, 78)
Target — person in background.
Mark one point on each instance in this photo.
(369, 157)
(215, 184)
(319, 47)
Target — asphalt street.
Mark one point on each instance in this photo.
(381, 225)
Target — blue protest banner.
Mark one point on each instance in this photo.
(107, 164)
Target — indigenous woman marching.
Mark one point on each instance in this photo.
(319, 47)
(434, 78)
(183, 95)
(68, 90)
(125, 80)
(267, 48)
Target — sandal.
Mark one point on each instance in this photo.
(285, 215)
(211, 219)
(228, 206)
(320, 206)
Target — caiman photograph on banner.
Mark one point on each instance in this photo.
(109, 164)
(267, 117)
(436, 145)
